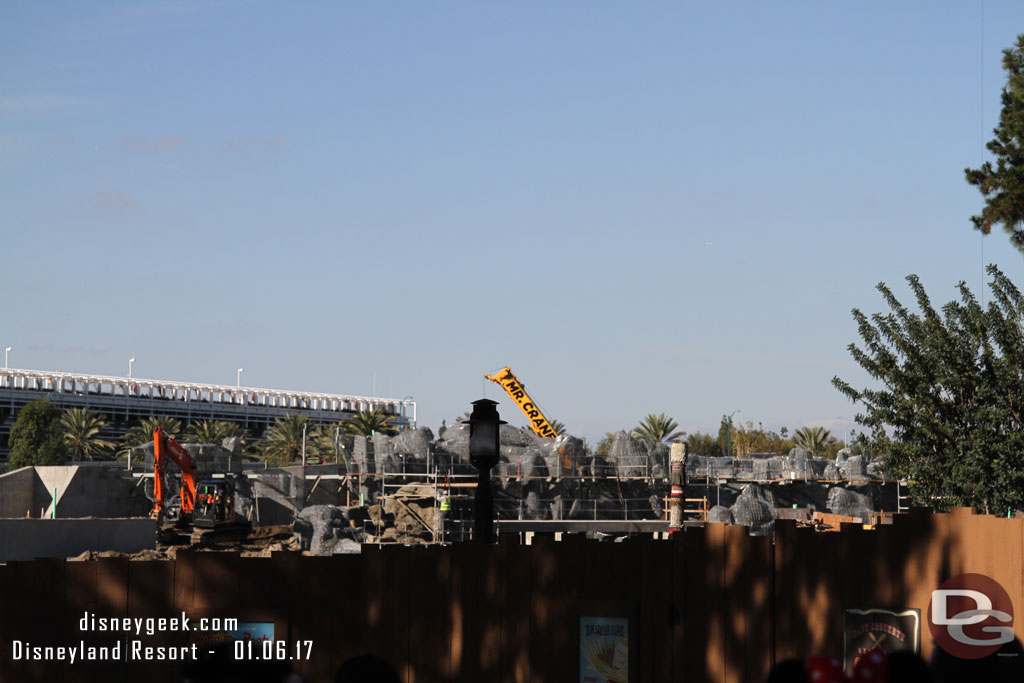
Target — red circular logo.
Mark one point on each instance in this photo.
(970, 616)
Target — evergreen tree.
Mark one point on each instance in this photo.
(949, 410)
(725, 433)
(704, 444)
(1003, 186)
(37, 437)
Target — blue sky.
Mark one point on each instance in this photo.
(641, 207)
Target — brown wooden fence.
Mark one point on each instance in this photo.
(712, 605)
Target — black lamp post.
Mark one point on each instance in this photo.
(483, 453)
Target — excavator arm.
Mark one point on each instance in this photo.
(164, 448)
(517, 392)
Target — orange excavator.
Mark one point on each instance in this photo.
(209, 503)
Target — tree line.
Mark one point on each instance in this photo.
(42, 434)
(737, 440)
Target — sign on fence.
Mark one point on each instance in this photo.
(879, 629)
(604, 649)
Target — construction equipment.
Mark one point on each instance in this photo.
(517, 391)
(215, 498)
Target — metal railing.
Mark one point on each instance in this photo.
(137, 387)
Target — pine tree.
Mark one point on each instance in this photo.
(1003, 186)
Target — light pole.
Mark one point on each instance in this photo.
(484, 449)
(130, 361)
(7, 351)
(238, 382)
(728, 436)
(304, 443)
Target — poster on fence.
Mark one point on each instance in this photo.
(866, 629)
(604, 649)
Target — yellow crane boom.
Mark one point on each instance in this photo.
(517, 392)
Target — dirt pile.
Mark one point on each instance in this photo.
(409, 515)
(257, 542)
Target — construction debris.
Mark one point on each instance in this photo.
(259, 542)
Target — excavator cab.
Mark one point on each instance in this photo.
(214, 504)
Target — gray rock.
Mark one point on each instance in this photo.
(232, 444)
(362, 461)
(413, 442)
(816, 467)
(854, 468)
(721, 514)
(455, 442)
(324, 529)
(799, 454)
(842, 501)
(755, 509)
(383, 455)
(875, 470)
(534, 509)
(657, 509)
(629, 455)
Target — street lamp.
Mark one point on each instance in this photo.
(728, 435)
(238, 383)
(130, 361)
(7, 351)
(484, 426)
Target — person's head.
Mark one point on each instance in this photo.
(788, 671)
(218, 665)
(815, 669)
(908, 667)
(366, 669)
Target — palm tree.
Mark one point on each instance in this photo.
(82, 434)
(658, 428)
(368, 422)
(284, 439)
(142, 433)
(213, 431)
(328, 442)
(814, 439)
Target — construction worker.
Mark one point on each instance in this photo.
(446, 508)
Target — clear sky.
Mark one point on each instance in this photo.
(639, 206)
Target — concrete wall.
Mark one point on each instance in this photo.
(281, 493)
(16, 493)
(29, 539)
(82, 491)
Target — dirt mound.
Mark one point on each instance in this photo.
(410, 515)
